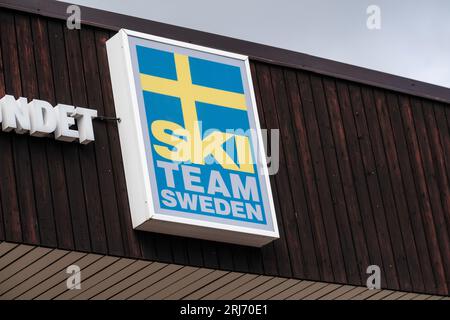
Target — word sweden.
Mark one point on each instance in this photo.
(40, 119)
(211, 197)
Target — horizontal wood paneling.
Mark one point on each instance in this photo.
(29, 272)
(363, 179)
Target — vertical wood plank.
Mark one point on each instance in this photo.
(415, 153)
(163, 247)
(87, 160)
(308, 142)
(2, 93)
(147, 245)
(290, 176)
(39, 166)
(382, 171)
(300, 162)
(374, 188)
(354, 166)
(209, 252)
(282, 201)
(224, 256)
(345, 188)
(402, 208)
(101, 146)
(320, 150)
(438, 156)
(255, 262)
(8, 196)
(75, 192)
(20, 146)
(268, 251)
(432, 185)
(131, 244)
(2, 226)
(2, 88)
(379, 227)
(410, 194)
(57, 180)
(442, 125)
(179, 252)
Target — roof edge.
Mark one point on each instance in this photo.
(259, 52)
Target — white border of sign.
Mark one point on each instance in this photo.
(135, 160)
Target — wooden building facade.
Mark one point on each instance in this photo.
(364, 160)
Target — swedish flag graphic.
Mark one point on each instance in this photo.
(191, 106)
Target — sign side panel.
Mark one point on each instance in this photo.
(130, 132)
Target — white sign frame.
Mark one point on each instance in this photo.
(135, 159)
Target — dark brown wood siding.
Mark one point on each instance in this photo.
(363, 179)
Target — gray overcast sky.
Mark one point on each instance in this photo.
(414, 39)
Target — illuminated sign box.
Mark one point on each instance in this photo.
(191, 141)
